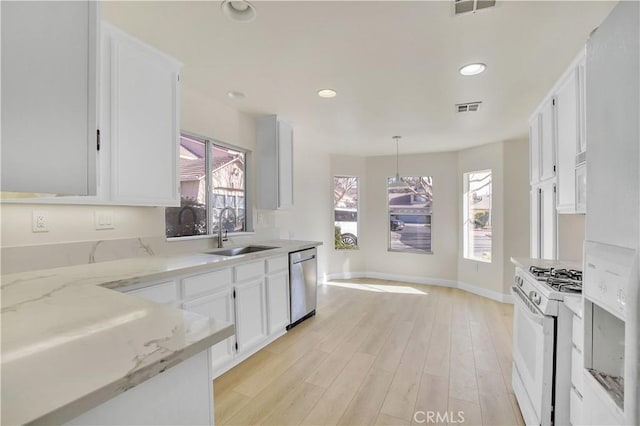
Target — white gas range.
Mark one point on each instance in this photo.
(541, 376)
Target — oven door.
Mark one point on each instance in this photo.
(533, 345)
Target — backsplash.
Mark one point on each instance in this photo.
(36, 257)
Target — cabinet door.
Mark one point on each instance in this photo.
(141, 95)
(567, 131)
(164, 293)
(534, 226)
(250, 314)
(581, 188)
(278, 302)
(218, 306)
(547, 143)
(285, 165)
(534, 150)
(49, 102)
(582, 106)
(548, 217)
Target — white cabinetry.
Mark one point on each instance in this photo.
(569, 95)
(140, 96)
(254, 296)
(274, 163)
(164, 293)
(544, 221)
(49, 102)
(547, 141)
(137, 160)
(568, 130)
(278, 317)
(250, 305)
(218, 305)
(557, 145)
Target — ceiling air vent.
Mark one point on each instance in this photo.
(461, 7)
(468, 107)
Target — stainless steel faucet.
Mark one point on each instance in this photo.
(222, 212)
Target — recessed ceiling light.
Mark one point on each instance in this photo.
(236, 95)
(239, 10)
(473, 69)
(327, 93)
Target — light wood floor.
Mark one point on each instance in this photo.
(376, 353)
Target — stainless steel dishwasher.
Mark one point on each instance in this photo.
(303, 285)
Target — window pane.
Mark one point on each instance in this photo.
(410, 210)
(345, 207)
(190, 218)
(228, 187)
(477, 214)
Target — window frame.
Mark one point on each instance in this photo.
(466, 223)
(333, 210)
(209, 199)
(388, 220)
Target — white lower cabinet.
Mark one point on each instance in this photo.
(219, 306)
(278, 302)
(164, 293)
(251, 318)
(577, 373)
(253, 295)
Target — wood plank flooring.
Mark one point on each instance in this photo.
(377, 352)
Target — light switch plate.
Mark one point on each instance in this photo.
(104, 219)
(40, 221)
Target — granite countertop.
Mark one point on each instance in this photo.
(69, 342)
(523, 262)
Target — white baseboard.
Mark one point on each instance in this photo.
(471, 288)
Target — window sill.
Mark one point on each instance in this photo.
(211, 236)
(409, 251)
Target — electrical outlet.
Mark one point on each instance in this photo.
(104, 219)
(40, 221)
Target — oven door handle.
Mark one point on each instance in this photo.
(531, 313)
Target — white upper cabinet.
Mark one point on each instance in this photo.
(274, 163)
(568, 130)
(547, 141)
(49, 102)
(534, 149)
(542, 158)
(141, 123)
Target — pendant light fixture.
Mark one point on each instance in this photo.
(397, 181)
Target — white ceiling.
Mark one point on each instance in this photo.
(394, 64)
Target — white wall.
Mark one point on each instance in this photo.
(442, 263)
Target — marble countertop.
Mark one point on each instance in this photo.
(524, 262)
(69, 342)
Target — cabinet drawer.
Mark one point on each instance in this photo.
(205, 283)
(277, 264)
(250, 270)
(577, 334)
(576, 370)
(164, 293)
(575, 408)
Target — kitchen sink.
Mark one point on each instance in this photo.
(237, 251)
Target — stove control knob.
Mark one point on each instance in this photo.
(535, 297)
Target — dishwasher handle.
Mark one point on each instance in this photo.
(305, 259)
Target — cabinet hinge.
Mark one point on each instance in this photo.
(98, 139)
